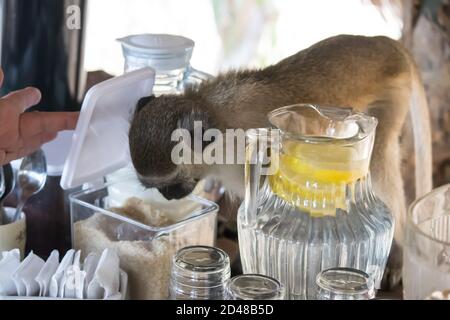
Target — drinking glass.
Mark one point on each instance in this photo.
(199, 273)
(344, 284)
(254, 287)
(426, 266)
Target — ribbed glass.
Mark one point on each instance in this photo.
(318, 211)
(199, 273)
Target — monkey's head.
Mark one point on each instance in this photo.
(151, 145)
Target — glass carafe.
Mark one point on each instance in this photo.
(169, 55)
(309, 204)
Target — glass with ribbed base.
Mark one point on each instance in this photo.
(318, 210)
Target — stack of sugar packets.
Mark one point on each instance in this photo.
(99, 277)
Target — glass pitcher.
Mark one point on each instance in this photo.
(309, 204)
(169, 55)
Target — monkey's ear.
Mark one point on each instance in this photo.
(196, 122)
(143, 102)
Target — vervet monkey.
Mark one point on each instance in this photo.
(375, 75)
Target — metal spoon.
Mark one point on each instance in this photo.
(8, 186)
(31, 176)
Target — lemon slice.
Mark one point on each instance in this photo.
(314, 177)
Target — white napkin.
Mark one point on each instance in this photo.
(123, 285)
(73, 280)
(101, 277)
(45, 275)
(25, 275)
(55, 282)
(90, 265)
(9, 262)
(106, 281)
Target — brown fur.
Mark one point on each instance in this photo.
(373, 75)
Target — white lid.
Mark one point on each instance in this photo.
(164, 51)
(56, 152)
(100, 141)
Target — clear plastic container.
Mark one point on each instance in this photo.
(145, 249)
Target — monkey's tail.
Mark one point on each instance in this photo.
(420, 118)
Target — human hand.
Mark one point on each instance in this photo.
(23, 133)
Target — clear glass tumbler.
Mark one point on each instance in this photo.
(199, 273)
(345, 284)
(426, 262)
(254, 287)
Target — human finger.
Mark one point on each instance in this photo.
(21, 100)
(35, 123)
(31, 145)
